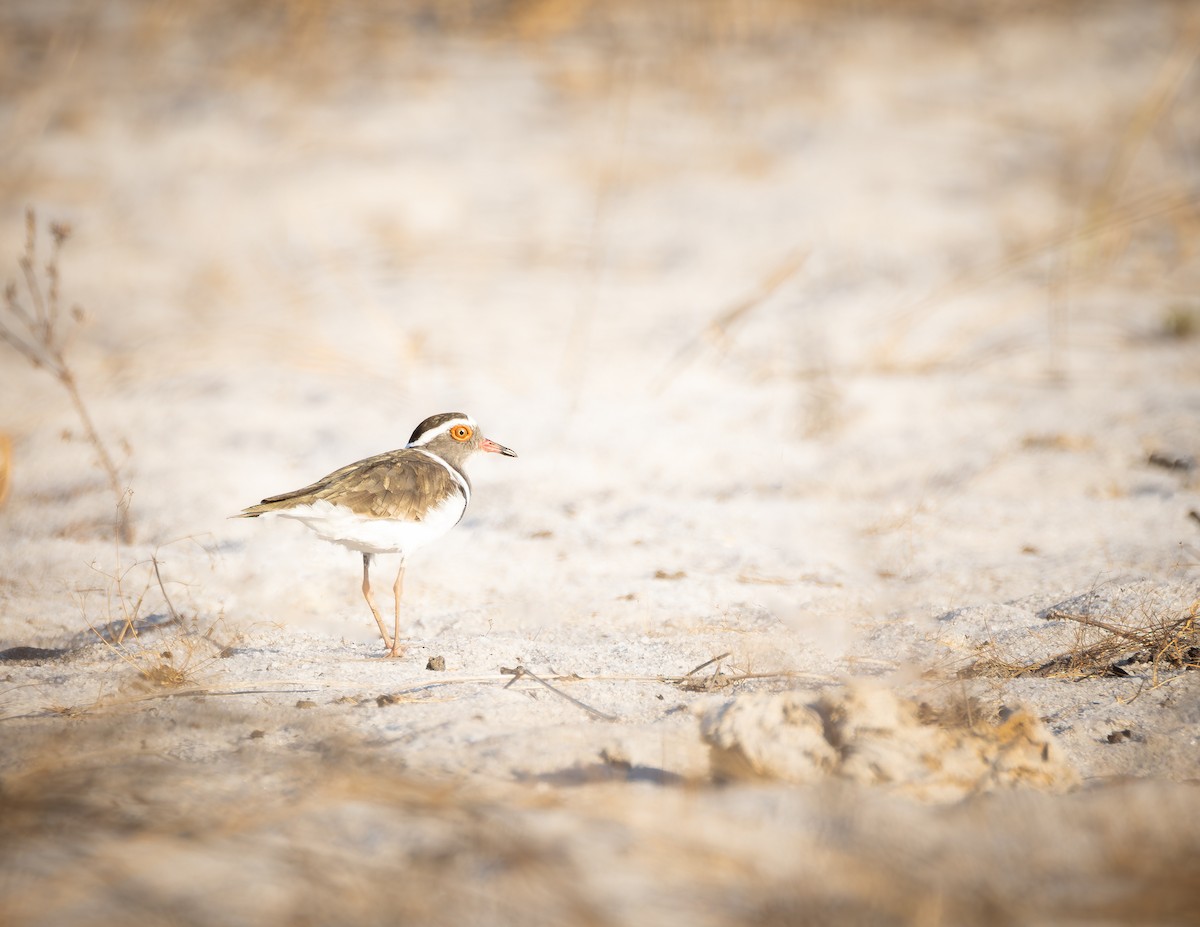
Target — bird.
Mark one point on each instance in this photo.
(394, 502)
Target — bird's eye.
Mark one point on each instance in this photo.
(460, 432)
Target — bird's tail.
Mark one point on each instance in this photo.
(255, 510)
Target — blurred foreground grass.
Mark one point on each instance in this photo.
(327, 831)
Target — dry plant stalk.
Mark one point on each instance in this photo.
(130, 602)
(39, 334)
(156, 666)
(5, 465)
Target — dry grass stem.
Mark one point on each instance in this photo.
(35, 331)
(126, 602)
(1172, 642)
(716, 659)
(688, 682)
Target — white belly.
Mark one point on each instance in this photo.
(376, 535)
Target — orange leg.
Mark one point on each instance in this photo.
(366, 588)
(397, 589)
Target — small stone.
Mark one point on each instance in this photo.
(617, 757)
(1183, 463)
(306, 703)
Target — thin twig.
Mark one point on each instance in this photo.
(27, 266)
(59, 233)
(1136, 636)
(521, 672)
(715, 659)
(163, 590)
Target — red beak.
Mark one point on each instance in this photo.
(487, 444)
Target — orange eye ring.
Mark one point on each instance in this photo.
(461, 433)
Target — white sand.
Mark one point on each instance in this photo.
(293, 245)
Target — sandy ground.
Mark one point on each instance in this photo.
(853, 366)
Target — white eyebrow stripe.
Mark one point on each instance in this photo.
(441, 430)
(458, 477)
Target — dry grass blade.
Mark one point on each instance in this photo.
(717, 331)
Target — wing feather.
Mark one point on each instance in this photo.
(397, 484)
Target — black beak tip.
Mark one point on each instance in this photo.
(508, 452)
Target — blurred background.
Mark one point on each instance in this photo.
(819, 329)
(772, 288)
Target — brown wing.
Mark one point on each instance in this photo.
(397, 484)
